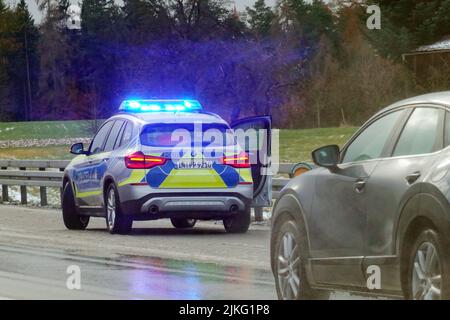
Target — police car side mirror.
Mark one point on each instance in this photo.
(77, 148)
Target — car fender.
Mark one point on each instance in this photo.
(288, 203)
(107, 178)
(428, 203)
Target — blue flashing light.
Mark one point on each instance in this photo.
(160, 105)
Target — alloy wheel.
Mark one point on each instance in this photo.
(111, 208)
(288, 267)
(426, 273)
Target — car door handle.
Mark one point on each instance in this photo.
(359, 185)
(412, 177)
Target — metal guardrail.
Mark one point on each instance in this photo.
(49, 173)
(26, 173)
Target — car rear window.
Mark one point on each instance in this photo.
(175, 134)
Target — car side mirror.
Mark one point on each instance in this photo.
(77, 148)
(327, 157)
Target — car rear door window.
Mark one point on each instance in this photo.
(109, 146)
(127, 134)
(421, 133)
(100, 137)
(369, 144)
(173, 134)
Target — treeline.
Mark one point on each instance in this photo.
(307, 64)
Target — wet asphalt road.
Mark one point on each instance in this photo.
(42, 274)
(156, 261)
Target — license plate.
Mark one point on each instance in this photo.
(193, 165)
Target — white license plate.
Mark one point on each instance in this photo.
(193, 165)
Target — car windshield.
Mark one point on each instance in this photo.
(176, 134)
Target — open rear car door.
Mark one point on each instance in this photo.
(259, 150)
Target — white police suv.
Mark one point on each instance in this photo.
(169, 159)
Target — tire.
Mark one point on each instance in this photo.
(72, 220)
(239, 223)
(288, 261)
(116, 221)
(183, 223)
(427, 260)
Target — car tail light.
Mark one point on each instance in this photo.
(138, 160)
(241, 160)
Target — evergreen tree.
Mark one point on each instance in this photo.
(199, 19)
(102, 44)
(261, 18)
(407, 24)
(54, 52)
(303, 24)
(8, 48)
(145, 20)
(25, 63)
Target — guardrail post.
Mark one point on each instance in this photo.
(43, 192)
(61, 189)
(23, 192)
(259, 214)
(5, 196)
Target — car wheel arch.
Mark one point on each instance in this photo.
(422, 211)
(411, 207)
(66, 180)
(107, 181)
(426, 207)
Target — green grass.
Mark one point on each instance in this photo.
(45, 130)
(295, 145)
(35, 153)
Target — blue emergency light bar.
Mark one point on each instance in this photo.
(160, 105)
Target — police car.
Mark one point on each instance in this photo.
(146, 163)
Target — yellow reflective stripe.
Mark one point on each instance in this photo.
(136, 176)
(193, 178)
(78, 159)
(89, 194)
(246, 175)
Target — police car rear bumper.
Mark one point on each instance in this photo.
(199, 203)
(189, 205)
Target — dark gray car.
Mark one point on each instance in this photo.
(374, 217)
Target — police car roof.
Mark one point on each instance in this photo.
(174, 117)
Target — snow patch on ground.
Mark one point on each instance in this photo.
(7, 129)
(33, 196)
(27, 143)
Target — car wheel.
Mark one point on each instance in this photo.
(182, 223)
(289, 257)
(238, 223)
(72, 220)
(116, 220)
(428, 269)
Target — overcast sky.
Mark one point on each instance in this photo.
(240, 4)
